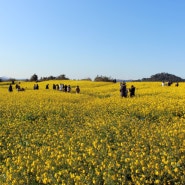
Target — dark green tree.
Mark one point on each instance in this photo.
(34, 77)
(62, 77)
(103, 79)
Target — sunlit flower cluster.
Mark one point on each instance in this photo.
(94, 137)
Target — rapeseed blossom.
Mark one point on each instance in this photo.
(95, 137)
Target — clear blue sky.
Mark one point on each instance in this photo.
(122, 39)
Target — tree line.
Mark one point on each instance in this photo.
(98, 78)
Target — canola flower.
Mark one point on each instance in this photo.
(95, 137)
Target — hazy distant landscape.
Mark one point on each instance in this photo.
(157, 77)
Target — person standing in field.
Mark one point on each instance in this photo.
(61, 86)
(10, 88)
(123, 90)
(36, 87)
(57, 87)
(132, 91)
(54, 87)
(47, 86)
(77, 89)
(68, 88)
(65, 88)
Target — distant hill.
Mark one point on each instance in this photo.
(5, 78)
(166, 77)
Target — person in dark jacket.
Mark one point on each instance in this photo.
(132, 91)
(10, 89)
(123, 90)
(77, 89)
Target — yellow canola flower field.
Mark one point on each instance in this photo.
(94, 137)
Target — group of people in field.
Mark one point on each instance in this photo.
(36, 87)
(63, 87)
(17, 87)
(124, 91)
(169, 84)
(67, 88)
